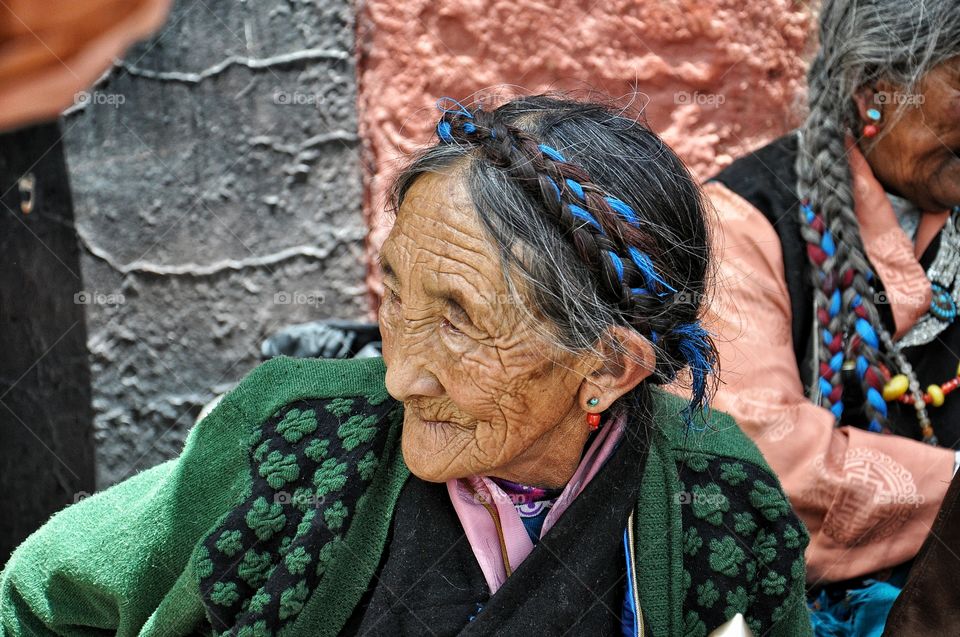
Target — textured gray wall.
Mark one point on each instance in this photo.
(217, 187)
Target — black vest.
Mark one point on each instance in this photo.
(573, 583)
(767, 179)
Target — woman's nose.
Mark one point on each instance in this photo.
(407, 364)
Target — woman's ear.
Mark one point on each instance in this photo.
(865, 99)
(627, 359)
(874, 95)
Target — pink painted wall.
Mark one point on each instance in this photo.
(718, 77)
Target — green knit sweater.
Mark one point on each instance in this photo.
(276, 514)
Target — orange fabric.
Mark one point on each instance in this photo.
(50, 50)
(867, 499)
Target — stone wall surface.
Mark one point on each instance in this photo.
(715, 77)
(216, 177)
(216, 168)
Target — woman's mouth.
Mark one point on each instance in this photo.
(431, 422)
(435, 423)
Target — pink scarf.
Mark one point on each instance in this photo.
(480, 528)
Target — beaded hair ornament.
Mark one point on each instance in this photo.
(858, 343)
(588, 215)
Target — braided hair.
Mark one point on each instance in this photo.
(861, 42)
(597, 219)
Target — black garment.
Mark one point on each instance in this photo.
(930, 601)
(46, 417)
(767, 179)
(572, 583)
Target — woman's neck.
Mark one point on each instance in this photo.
(550, 463)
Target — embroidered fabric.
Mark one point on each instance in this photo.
(943, 274)
(532, 503)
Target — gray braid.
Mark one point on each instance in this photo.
(861, 42)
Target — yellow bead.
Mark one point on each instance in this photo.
(936, 395)
(896, 387)
(958, 369)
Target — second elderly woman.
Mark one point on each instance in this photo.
(837, 299)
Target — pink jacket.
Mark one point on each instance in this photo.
(867, 499)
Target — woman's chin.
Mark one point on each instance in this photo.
(431, 455)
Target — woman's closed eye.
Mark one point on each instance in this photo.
(449, 325)
(456, 320)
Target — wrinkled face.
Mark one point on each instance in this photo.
(482, 393)
(919, 156)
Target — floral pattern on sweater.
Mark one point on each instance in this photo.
(310, 463)
(742, 554)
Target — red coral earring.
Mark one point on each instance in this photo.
(593, 420)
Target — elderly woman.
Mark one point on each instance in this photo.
(508, 466)
(837, 299)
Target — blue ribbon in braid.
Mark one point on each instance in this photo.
(696, 351)
(641, 260)
(582, 214)
(447, 105)
(444, 130)
(576, 188)
(694, 343)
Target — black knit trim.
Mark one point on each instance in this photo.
(310, 464)
(742, 554)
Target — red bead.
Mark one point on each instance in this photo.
(870, 130)
(836, 344)
(593, 420)
(816, 255)
(836, 394)
(886, 372)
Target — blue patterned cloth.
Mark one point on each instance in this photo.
(862, 612)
